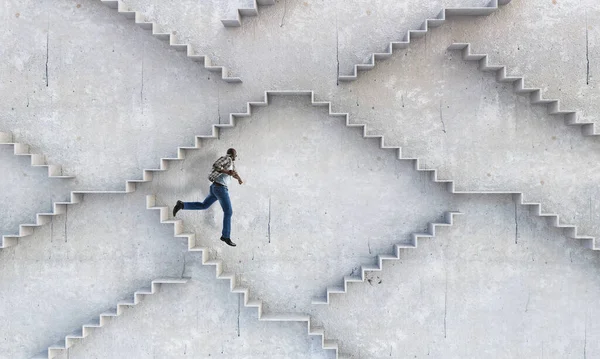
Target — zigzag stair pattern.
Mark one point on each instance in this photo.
(76, 197)
(535, 94)
(207, 63)
(536, 208)
(25, 230)
(364, 269)
(234, 287)
(59, 208)
(86, 329)
(251, 11)
(54, 171)
(443, 15)
(37, 159)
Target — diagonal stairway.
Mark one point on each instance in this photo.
(440, 19)
(86, 329)
(205, 60)
(518, 82)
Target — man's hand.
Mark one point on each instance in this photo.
(237, 177)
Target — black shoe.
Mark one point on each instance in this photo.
(178, 206)
(228, 241)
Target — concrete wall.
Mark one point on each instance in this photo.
(100, 96)
(476, 291)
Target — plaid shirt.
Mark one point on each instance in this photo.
(222, 163)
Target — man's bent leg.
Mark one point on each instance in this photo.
(208, 201)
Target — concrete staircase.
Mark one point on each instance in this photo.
(271, 151)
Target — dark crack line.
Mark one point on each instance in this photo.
(184, 264)
(369, 245)
(47, 49)
(142, 87)
(441, 118)
(587, 51)
(571, 256)
(284, 12)
(219, 103)
(337, 48)
(51, 238)
(269, 224)
(238, 314)
(66, 219)
(51, 231)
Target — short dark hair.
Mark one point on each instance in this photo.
(231, 151)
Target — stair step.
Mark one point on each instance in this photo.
(285, 317)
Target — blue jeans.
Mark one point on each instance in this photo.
(220, 193)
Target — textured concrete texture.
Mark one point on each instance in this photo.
(104, 99)
(198, 320)
(503, 286)
(22, 187)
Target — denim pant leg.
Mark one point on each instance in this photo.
(222, 194)
(208, 201)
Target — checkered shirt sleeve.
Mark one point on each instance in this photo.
(220, 164)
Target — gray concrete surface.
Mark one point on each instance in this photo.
(22, 187)
(95, 93)
(111, 94)
(201, 319)
(473, 292)
(79, 266)
(336, 177)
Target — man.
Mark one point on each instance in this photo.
(222, 171)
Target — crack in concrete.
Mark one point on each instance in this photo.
(184, 264)
(142, 87)
(238, 314)
(337, 48)
(284, 12)
(66, 219)
(369, 245)
(441, 118)
(51, 232)
(219, 103)
(571, 256)
(47, 48)
(587, 50)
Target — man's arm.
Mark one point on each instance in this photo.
(222, 164)
(237, 177)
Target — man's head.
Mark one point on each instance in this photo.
(232, 153)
